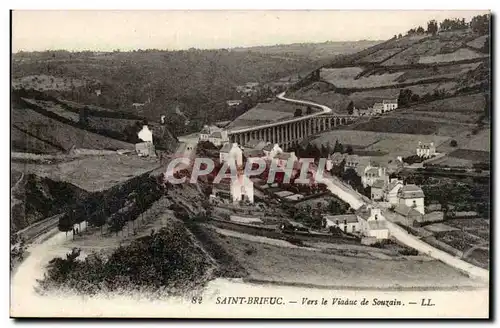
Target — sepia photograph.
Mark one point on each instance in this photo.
(268, 164)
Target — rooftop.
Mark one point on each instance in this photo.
(377, 225)
(406, 211)
(253, 153)
(349, 218)
(411, 191)
(390, 101)
(378, 184)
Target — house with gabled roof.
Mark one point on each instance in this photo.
(413, 196)
(372, 222)
(346, 222)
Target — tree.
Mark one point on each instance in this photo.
(350, 108)
(453, 143)
(404, 97)
(298, 112)
(420, 30)
(84, 113)
(349, 149)
(432, 27)
(400, 36)
(309, 110)
(480, 24)
(338, 148)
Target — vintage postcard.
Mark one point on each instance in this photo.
(250, 164)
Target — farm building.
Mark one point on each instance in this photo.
(378, 190)
(372, 222)
(347, 222)
(412, 195)
(272, 150)
(214, 134)
(231, 151)
(410, 214)
(426, 149)
(372, 174)
(391, 194)
(357, 163)
(390, 105)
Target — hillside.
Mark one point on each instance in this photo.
(194, 82)
(441, 81)
(315, 51)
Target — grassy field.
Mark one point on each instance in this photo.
(92, 173)
(396, 144)
(56, 109)
(60, 134)
(480, 141)
(460, 54)
(362, 269)
(380, 55)
(266, 112)
(468, 104)
(477, 43)
(24, 142)
(450, 71)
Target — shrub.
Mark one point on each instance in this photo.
(453, 143)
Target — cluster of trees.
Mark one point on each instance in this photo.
(453, 24)
(313, 151)
(117, 208)
(354, 180)
(407, 97)
(166, 262)
(479, 24)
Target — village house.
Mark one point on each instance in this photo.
(372, 174)
(378, 108)
(231, 151)
(372, 222)
(146, 147)
(232, 103)
(255, 144)
(426, 150)
(334, 159)
(410, 214)
(347, 222)
(251, 154)
(392, 190)
(214, 134)
(390, 105)
(378, 190)
(242, 189)
(357, 163)
(412, 195)
(283, 158)
(271, 150)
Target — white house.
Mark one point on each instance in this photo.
(145, 134)
(214, 134)
(283, 158)
(390, 105)
(242, 189)
(372, 222)
(392, 190)
(378, 108)
(412, 196)
(271, 150)
(372, 174)
(426, 149)
(347, 222)
(334, 160)
(231, 151)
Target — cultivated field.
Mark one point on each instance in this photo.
(380, 55)
(480, 141)
(92, 173)
(396, 144)
(468, 104)
(450, 71)
(60, 134)
(57, 109)
(362, 269)
(478, 43)
(24, 142)
(460, 54)
(265, 113)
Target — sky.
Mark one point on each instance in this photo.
(106, 30)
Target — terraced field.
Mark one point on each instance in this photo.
(267, 112)
(460, 54)
(62, 135)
